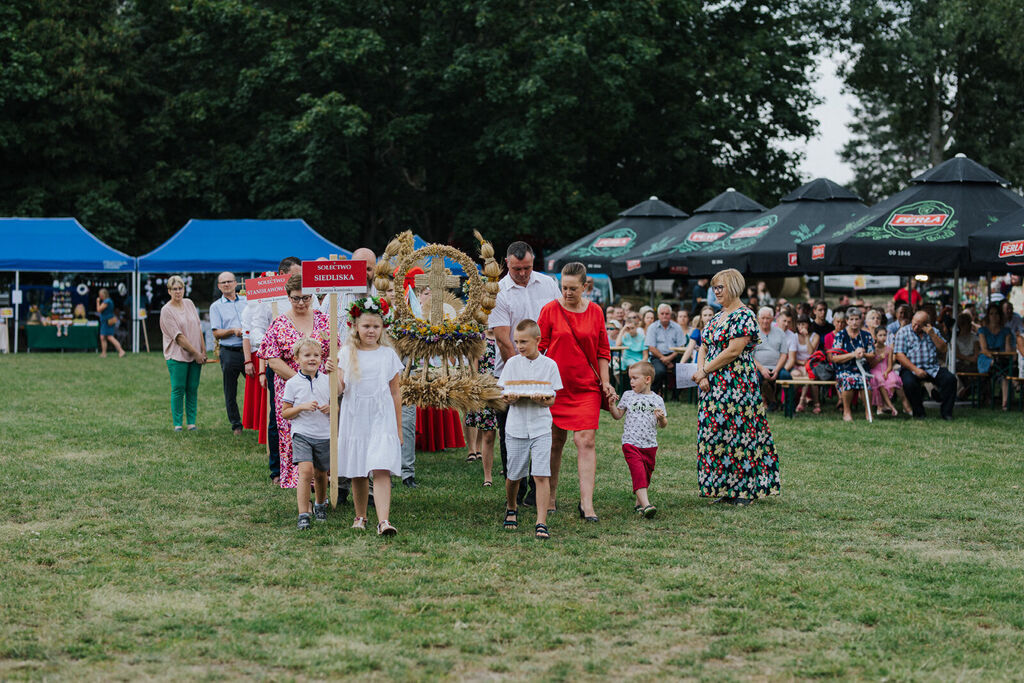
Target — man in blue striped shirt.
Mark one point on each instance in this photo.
(226, 321)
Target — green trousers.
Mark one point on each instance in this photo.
(184, 386)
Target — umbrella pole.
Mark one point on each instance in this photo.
(951, 350)
(821, 284)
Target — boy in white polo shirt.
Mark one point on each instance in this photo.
(529, 382)
(307, 403)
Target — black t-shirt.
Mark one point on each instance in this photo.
(821, 331)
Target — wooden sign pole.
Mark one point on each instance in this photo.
(333, 317)
(270, 384)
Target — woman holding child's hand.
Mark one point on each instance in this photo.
(736, 459)
(300, 321)
(573, 335)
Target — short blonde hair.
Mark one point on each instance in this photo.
(643, 367)
(732, 280)
(303, 343)
(175, 280)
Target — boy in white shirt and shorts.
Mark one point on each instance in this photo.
(307, 403)
(529, 382)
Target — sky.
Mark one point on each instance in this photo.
(821, 153)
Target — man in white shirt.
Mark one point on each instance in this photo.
(523, 293)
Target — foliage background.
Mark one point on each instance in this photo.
(524, 119)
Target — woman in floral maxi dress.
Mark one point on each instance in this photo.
(301, 321)
(736, 458)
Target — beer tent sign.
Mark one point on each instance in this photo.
(1000, 246)
(666, 253)
(926, 227)
(600, 250)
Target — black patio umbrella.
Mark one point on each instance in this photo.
(767, 244)
(599, 249)
(666, 253)
(1000, 246)
(924, 228)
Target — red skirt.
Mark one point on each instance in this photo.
(438, 429)
(254, 407)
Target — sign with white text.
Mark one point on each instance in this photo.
(267, 289)
(333, 277)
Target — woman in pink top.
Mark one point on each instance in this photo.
(184, 351)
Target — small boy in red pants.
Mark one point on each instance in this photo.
(644, 411)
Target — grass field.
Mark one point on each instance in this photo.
(128, 551)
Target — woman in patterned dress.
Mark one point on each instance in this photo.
(736, 459)
(301, 321)
(482, 425)
(848, 346)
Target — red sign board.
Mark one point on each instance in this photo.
(333, 277)
(633, 264)
(817, 252)
(792, 258)
(268, 289)
(915, 219)
(1012, 248)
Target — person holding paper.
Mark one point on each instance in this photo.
(226, 322)
(736, 458)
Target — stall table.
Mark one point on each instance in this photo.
(80, 337)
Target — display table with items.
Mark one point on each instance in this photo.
(80, 337)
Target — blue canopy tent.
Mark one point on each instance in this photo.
(55, 244)
(213, 246)
(456, 269)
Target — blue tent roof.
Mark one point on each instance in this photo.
(212, 246)
(454, 266)
(57, 244)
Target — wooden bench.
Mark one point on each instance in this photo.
(972, 381)
(790, 404)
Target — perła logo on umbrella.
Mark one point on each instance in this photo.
(745, 235)
(928, 221)
(609, 245)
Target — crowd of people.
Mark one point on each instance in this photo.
(893, 351)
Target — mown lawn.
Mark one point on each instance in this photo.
(128, 551)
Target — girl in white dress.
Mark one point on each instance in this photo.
(370, 431)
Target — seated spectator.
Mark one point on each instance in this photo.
(635, 342)
(705, 316)
(838, 323)
(903, 313)
(872, 319)
(820, 325)
(966, 344)
(662, 338)
(771, 356)
(917, 347)
(995, 336)
(683, 320)
(850, 345)
(806, 343)
(885, 378)
(647, 318)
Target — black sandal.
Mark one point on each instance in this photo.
(472, 457)
(541, 532)
(513, 523)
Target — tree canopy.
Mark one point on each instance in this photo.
(934, 78)
(521, 119)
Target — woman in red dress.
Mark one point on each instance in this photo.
(572, 333)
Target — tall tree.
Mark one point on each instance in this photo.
(933, 77)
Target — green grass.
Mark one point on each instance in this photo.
(128, 551)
